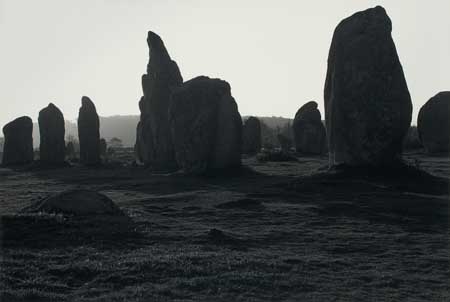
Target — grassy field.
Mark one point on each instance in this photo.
(288, 231)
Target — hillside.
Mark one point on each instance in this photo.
(124, 127)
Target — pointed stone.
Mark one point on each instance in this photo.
(154, 145)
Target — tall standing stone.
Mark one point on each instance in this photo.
(367, 103)
(309, 132)
(206, 126)
(154, 145)
(89, 133)
(51, 128)
(18, 146)
(251, 136)
(433, 123)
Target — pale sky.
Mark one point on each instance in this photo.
(273, 53)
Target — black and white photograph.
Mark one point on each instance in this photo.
(224, 150)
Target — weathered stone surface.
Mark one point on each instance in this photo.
(433, 123)
(206, 126)
(89, 133)
(18, 145)
(309, 132)
(251, 136)
(367, 102)
(51, 128)
(76, 202)
(154, 145)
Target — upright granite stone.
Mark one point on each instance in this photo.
(251, 136)
(433, 123)
(18, 146)
(206, 126)
(367, 103)
(51, 128)
(89, 133)
(154, 145)
(309, 132)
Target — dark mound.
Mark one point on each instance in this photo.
(70, 218)
(76, 202)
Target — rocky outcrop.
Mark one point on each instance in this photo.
(309, 132)
(18, 145)
(433, 123)
(206, 126)
(367, 102)
(251, 136)
(51, 128)
(76, 202)
(154, 145)
(89, 133)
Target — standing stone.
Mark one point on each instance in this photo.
(433, 123)
(367, 103)
(206, 126)
(251, 134)
(154, 145)
(18, 146)
(309, 131)
(89, 133)
(51, 128)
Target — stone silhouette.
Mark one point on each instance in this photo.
(367, 103)
(206, 126)
(51, 128)
(433, 123)
(251, 136)
(154, 145)
(89, 133)
(18, 146)
(309, 131)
